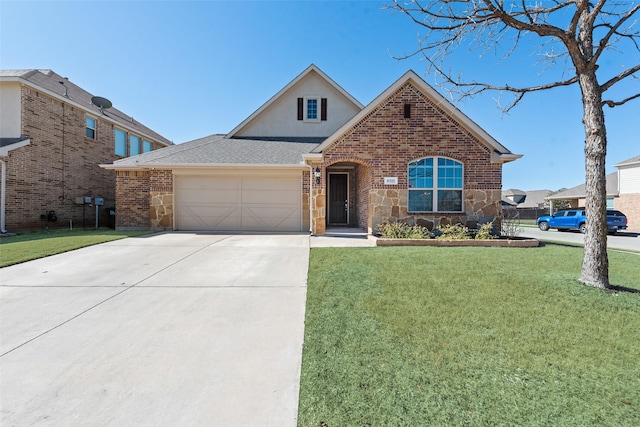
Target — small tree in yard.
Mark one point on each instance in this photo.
(579, 32)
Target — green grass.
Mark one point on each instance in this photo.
(29, 246)
(417, 336)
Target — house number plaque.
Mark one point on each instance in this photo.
(390, 180)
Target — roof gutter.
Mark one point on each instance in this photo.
(182, 166)
(504, 157)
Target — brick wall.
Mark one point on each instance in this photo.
(59, 165)
(629, 204)
(132, 204)
(387, 141)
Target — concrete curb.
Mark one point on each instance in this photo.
(511, 243)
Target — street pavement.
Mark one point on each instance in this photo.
(623, 240)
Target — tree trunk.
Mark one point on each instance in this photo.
(595, 263)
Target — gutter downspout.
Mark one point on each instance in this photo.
(3, 197)
(310, 198)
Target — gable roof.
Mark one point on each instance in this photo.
(54, 85)
(219, 150)
(579, 192)
(310, 69)
(629, 162)
(500, 154)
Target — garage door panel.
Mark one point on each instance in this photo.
(252, 203)
(265, 219)
(203, 217)
(270, 197)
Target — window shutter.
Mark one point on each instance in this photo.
(300, 108)
(323, 109)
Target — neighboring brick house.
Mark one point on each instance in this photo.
(313, 157)
(52, 139)
(623, 192)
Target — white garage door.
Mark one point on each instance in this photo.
(242, 202)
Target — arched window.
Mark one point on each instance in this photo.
(435, 185)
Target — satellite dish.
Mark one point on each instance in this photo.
(101, 102)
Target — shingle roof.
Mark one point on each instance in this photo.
(220, 150)
(579, 192)
(630, 161)
(51, 82)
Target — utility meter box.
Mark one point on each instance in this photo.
(98, 201)
(87, 199)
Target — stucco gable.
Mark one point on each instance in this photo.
(278, 116)
(412, 82)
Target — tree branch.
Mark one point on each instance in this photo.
(626, 73)
(613, 30)
(609, 103)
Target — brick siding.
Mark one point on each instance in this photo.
(59, 165)
(629, 204)
(383, 144)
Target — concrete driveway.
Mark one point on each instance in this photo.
(171, 329)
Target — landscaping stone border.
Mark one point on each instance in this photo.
(511, 243)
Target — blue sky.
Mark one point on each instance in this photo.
(189, 69)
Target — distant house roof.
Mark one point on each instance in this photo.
(632, 161)
(57, 86)
(223, 151)
(579, 192)
(535, 199)
(532, 199)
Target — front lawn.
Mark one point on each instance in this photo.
(29, 246)
(416, 336)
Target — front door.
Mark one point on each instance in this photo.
(338, 198)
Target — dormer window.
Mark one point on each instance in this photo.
(312, 109)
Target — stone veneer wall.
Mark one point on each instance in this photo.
(161, 199)
(391, 205)
(319, 199)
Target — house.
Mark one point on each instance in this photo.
(53, 136)
(628, 200)
(525, 204)
(313, 157)
(623, 192)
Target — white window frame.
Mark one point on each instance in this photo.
(435, 187)
(305, 109)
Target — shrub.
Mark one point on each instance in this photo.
(402, 230)
(485, 232)
(454, 232)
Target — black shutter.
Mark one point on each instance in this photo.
(300, 108)
(323, 109)
(407, 111)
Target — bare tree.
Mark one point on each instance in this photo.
(576, 33)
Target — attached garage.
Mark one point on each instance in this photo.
(239, 201)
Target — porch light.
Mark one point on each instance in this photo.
(316, 173)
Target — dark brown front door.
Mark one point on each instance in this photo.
(338, 198)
